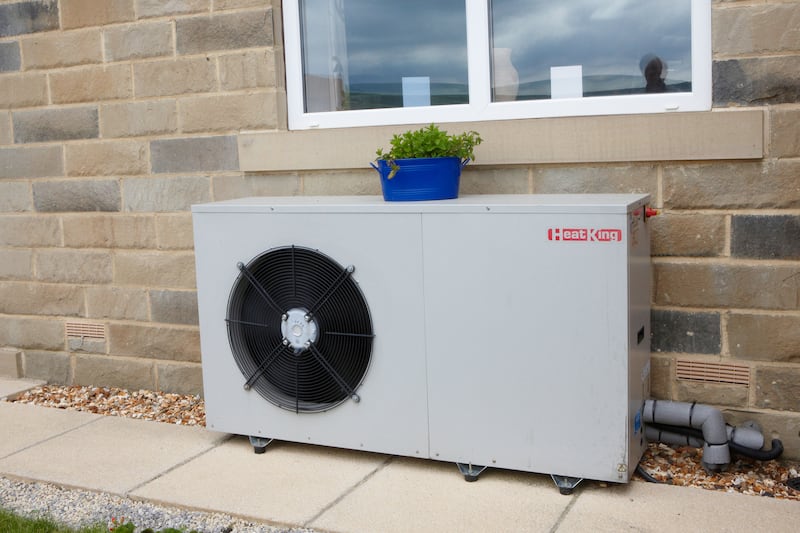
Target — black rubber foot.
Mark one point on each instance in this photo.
(470, 479)
(259, 449)
(565, 491)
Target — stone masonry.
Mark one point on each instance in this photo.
(116, 116)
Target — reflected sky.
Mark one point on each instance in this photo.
(606, 37)
(377, 42)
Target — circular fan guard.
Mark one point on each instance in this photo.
(299, 329)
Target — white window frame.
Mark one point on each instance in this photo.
(480, 106)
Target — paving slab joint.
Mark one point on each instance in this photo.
(346, 493)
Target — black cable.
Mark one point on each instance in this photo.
(646, 475)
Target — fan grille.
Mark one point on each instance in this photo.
(276, 288)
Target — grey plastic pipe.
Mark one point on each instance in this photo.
(716, 454)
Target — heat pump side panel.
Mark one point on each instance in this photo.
(386, 253)
(527, 343)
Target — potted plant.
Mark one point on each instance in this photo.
(424, 164)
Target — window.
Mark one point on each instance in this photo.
(374, 62)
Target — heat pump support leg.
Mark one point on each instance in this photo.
(259, 444)
(566, 484)
(470, 471)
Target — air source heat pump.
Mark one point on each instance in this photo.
(505, 331)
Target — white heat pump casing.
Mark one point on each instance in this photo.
(510, 331)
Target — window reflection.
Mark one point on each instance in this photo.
(544, 49)
(360, 54)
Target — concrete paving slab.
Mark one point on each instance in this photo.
(289, 484)
(10, 388)
(26, 425)
(112, 454)
(648, 507)
(419, 495)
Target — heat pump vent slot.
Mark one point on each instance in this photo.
(712, 372)
(300, 329)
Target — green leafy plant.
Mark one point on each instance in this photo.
(429, 141)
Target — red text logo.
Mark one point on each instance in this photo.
(584, 234)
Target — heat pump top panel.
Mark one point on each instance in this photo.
(500, 203)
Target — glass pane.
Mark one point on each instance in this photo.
(366, 54)
(545, 49)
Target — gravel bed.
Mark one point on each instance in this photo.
(677, 465)
(80, 508)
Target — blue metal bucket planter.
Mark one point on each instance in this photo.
(435, 178)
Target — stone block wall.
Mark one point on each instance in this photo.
(116, 116)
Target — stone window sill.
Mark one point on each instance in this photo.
(714, 135)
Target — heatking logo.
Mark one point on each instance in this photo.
(584, 234)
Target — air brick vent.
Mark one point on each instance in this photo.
(86, 330)
(712, 372)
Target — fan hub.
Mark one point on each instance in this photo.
(298, 328)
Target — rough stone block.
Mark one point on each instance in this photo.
(768, 286)
(685, 332)
(784, 133)
(31, 162)
(732, 185)
(165, 194)
(156, 269)
(778, 388)
(155, 342)
(106, 158)
(345, 182)
(194, 154)
(135, 119)
(138, 41)
(174, 77)
(29, 231)
(160, 8)
(32, 333)
(9, 57)
(589, 180)
(219, 5)
(91, 84)
(81, 13)
(230, 31)
(40, 299)
(53, 367)
(712, 393)
(87, 345)
(104, 371)
(172, 307)
(175, 232)
(228, 112)
(6, 137)
(74, 266)
(10, 363)
(23, 90)
(756, 29)
(43, 125)
(492, 181)
(687, 235)
(15, 196)
(662, 377)
(247, 70)
(774, 425)
(28, 17)
(76, 195)
(764, 337)
(116, 303)
(756, 81)
(177, 378)
(102, 231)
(229, 187)
(765, 236)
(57, 49)
(16, 264)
